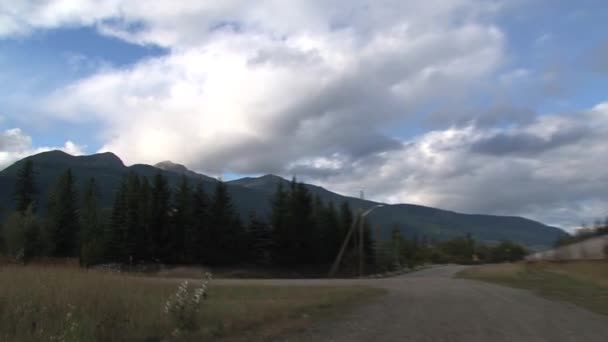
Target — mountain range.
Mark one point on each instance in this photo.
(255, 194)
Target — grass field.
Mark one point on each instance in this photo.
(65, 304)
(582, 283)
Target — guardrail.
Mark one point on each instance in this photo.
(591, 249)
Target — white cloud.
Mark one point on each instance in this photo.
(279, 83)
(15, 145)
(562, 183)
(312, 87)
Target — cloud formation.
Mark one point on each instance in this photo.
(558, 180)
(257, 92)
(343, 93)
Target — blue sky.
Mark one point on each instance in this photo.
(399, 89)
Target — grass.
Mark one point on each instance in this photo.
(65, 304)
(582, 283)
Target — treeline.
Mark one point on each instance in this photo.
(399, 251)
(152, 223)
(585, 232)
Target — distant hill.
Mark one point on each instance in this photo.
(255, 194)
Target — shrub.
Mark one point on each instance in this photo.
(23, 237)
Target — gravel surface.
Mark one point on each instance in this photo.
(431, 306)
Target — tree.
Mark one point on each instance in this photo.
(368, 244)
(260, 240)
(145, 219)
(198, 241)
(134, 234)
(331, 236)
(507, 251)
(92, 237)
(160, 217)
(280, 229)
(183, 224)
(25, 188)
(226, 237)
(346, 219)
(115, 236)
(63, 217)
(23, 237)
(302, 237)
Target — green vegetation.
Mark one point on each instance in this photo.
(582, 283)
(54, 303)
(152, 223)
(400, 251)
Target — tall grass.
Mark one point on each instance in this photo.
(63, 304)
(584, 283)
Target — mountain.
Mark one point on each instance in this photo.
(254, 195)
(182, 170)
(108, 170)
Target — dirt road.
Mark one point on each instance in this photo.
(431, 306)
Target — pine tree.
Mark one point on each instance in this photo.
(115, 249)
(302, 225)
(346, 221)
(331, 239)
(260, 240)
(159, 224)
(92, 237)
(145, 219)
(63, 217)
(279, 227)
(226, 244)
(134, 244)
(25, 188)
(199, 241)
(369, 245)
(183, 224)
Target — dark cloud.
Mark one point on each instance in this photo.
(524, 143)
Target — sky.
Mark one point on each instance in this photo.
(495, 106)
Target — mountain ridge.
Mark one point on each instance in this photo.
(254, 194)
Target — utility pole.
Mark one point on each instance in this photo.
(361, 249)
(358, 220)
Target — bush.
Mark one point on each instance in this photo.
(23, 237)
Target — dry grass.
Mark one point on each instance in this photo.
(42, 303)
(584, 283)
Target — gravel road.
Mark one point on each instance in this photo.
(431, 306)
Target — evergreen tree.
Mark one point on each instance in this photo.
(183, 224)
(25, 188)
(199, 240)
(260, 240)
(134, 235)
(160, 219)
(346, 221)
(279, 227)
(303, 231)
(368, 244)
(63, 219)
(329, 233)
(92, 237)
(145, 219)
(115, 237)
(226, 238)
